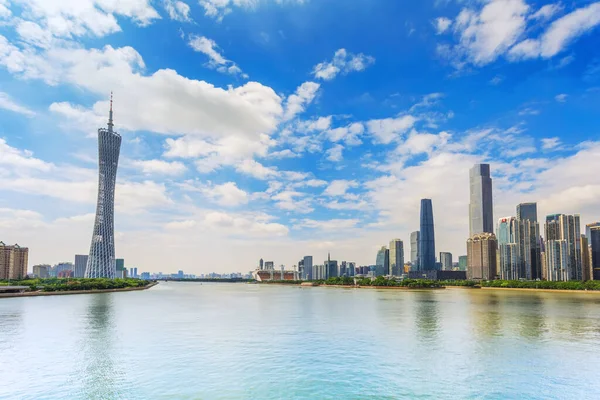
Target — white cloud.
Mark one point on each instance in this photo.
(328, 225)
(339, 187)
(21, 159)
(161, 167)
(529, 111)
(217, 61)
(218, 9)
(290, 200)
(242, 225)
(550, 143)
(343, 62)
(561, 98)
(7, 103)
(227, 194)
(178, 10)
(335, 153)
(350, 134)
(442, 24)
(547, 12)
(418, 143)
(297, 102)
(388, 130)
(287, 153)
(256, 169)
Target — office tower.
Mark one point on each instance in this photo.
(396, 257)
(80, 265)
(351, 269)
(308, 262)
(508, 249)
(331, 267)
(131, 272)
(559, 228)
(269, 265)
(427, 237)
(446, 261)
(41, 271)
(101, 260)
(415, 238)
(586, 265)
(462, 263)
(595, 252)
(13, 261)
(382, 263)
(261, 264)
(588, 229)
(481, 256)
(481, 206)
(527, 211)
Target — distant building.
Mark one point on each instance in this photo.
(261, 264)
(508, 248)
(42, 271)
(462, 263)
(269, 265)
(481, 206)
(396, 257)
(307, 263)
(67, 273)
(120, 264)
(382, 262)
(446, 261)
(331, 267)
(145, 275)
(481, 256)
(527, 211)
(595, 252)
(436, 275)
(427, 237)
(80, 265)
(319, 272)
(588, 230)
(586, 264)
(564, 259)
(415, 238)
(58, 268)
(13, 261)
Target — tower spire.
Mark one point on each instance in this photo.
(110, 114)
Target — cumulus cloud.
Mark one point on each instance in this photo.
(178, 10)
(217, 61)
(335, 153)
(160, 167)
(561, 98)
(388, 130)
(339, 187)
(442, 24)
(343, 62)
(7, 103)
(218, 9)
(297, 102)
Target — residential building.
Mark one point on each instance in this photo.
(101, 260)
(508, 248)
(415, 238)
(446, 261)
(481, 256)
(427, 237)
(462, 263)
(481, 206)
(80, 265)
(396, 257)
(586, 265)
(560, 227)
(530, 263)
(382, 263)
(319, 272)
(13, 261)
(41, 271)
(595, 252)
(145, 275)
(588, 230)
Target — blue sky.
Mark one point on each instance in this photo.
(277, 129)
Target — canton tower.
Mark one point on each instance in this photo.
(101, 261)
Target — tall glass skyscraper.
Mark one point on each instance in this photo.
(101, 260)
(396, 258)
(481, 206)
(427, 237)
(415, 238)
(382, 263)
(527, 211)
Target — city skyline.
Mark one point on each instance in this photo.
(263, 130)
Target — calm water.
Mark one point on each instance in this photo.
(238, 341)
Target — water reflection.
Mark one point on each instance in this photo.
(11, 322)
(487, 313)
(99, 374)
(531, 316)
(427, 315)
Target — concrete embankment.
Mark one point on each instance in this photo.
(66, 292)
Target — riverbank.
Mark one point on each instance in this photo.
(538, 290)
(66, 292)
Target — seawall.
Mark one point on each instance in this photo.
(67, 292)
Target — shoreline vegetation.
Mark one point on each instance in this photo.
(60, 286)
(381, 282)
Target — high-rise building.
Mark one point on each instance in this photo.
(13, 261)
(446, 261)
(41, 271)
(595, 252)
(462, 263)
(261, 264)
(481, 206)
(415, 238)
(586, 265)
(269, 265)
(427, 237)
(527, 211)
(508, 248)
(481, 256)
(331, 267)
(101, 260)
(307, 263)
(559, 228)
(80, 265)
(588, 229)
(396, 257)
(382, 263)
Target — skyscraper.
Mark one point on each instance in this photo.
(481, 256)
(415, 238)
(588, 230)
(308, 263)
(462, 263)
(563, 234)
(481, 206)
(508, 232)
(446, 261)
(331, 267)
(80, 265)
(595, 250)
(13, 261)
(427, 237)
(101, 260)
(382, 263)
(396, 258)
(586, 265)
(527, 211)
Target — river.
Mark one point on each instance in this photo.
(241, 341)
